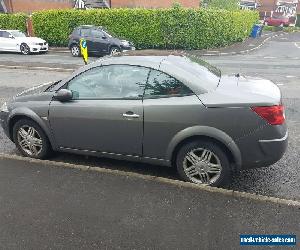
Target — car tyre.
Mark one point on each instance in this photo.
(75, 50)
(114, 51)
(203, 162)
(31, 140)
(24, 48)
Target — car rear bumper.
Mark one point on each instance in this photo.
(274, 149)
(4, 122)
(258, 152)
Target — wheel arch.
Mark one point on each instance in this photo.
(114, 46)
(29, 115)
(73, 43)
(207, 134)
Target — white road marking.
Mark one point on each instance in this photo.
(290, 76)
(279, 84)
(270, 57)
(297, 45)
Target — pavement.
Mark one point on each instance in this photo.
(63, 206)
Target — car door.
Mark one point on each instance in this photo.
(7, 43)
(100, 43)
(106, 113)
(1, 41)
(169, 107)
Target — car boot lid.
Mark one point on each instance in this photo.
(239, 91)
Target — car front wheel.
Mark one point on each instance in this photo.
(30, 139)
(24, 48)
(203, 162)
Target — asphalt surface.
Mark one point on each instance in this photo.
(278, 60)
(46, 207)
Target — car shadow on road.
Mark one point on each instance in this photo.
(127, 166)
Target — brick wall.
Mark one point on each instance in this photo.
(29, 6)
(153, 3)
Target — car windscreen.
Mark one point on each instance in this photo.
(16, 33)
(106, 33)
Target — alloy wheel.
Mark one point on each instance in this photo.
(75, 51)
(202, 166)
(114, 51)
(24, 49)
(30, 140)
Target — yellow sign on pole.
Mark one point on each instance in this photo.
(84, 50)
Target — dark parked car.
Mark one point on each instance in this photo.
(169, 110)
(277, 21)
(99, 41)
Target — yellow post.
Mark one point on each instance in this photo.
(84, 50)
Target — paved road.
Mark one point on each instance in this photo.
(44, 207)
(278, 60)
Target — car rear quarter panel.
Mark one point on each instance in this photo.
(168, 121)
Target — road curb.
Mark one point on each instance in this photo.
(245, 51)
(181, 184)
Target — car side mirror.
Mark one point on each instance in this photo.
(104, 37)
(11, 37)
(63, 95)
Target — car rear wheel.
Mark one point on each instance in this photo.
(30, 139)
(24, 48)
(75, 50)
(114, 51)
(203, 162)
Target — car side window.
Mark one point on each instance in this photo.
(85, 32)
(110, 82)
(97, 33)
(162, 85)
(5, 34)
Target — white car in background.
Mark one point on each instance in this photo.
(17, 41)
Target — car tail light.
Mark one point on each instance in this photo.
(274, 115)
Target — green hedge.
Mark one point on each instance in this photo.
(13, 21)
(151, 28)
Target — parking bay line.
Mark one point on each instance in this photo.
(298, 46)
(180, 184)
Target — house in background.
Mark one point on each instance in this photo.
(92, 4)
(86, 4)
(153, 3)
(267, 8)
(29, 6)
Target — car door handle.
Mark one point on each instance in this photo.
(130, 115)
